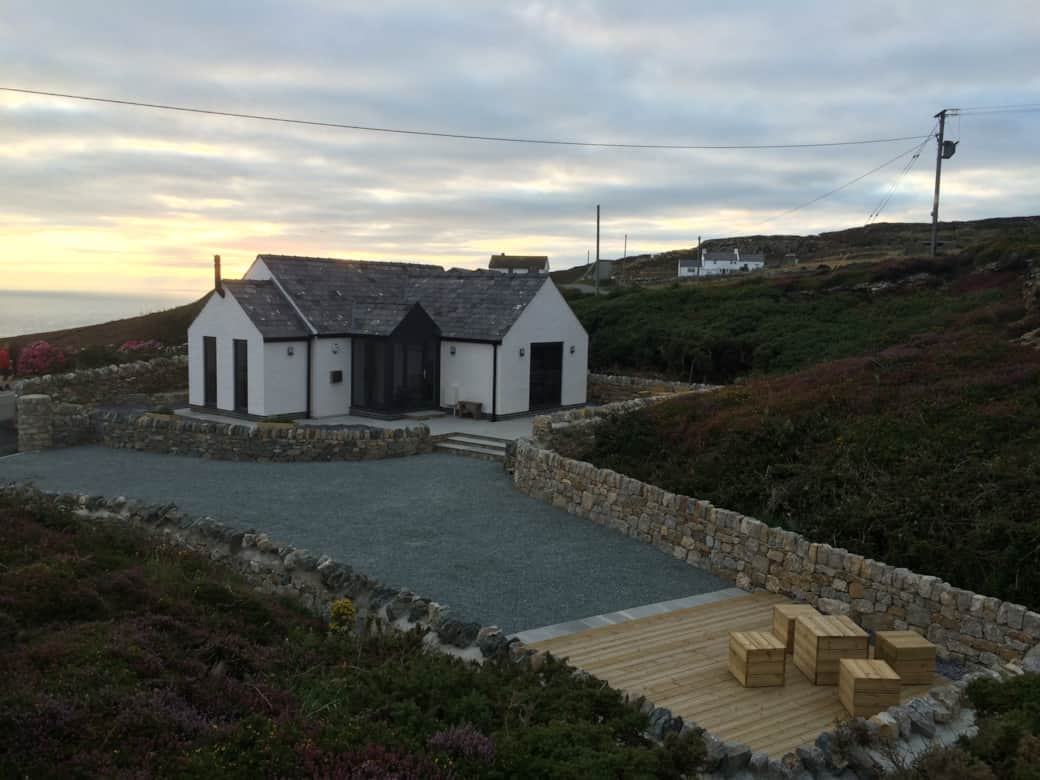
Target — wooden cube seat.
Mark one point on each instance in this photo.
(784, 617)
(821, 641)
(909, 654)
(867, 687)
(756, 658)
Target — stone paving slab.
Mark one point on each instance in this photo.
(451, 529)
(613, 618)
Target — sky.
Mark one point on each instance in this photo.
(105, 198)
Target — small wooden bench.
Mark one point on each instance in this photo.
(756, 658)
(867, 687)
(821, 641)
(784, 617)
(909, 654)
(474, 409)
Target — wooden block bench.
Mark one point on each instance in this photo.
(867, 687)
(821, 641)
(784, 617)
(909, 654)
(756, 658)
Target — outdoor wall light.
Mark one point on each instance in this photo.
(451, 349)
(290, 350)
(521, 351)
(572, 349)
(335, 348)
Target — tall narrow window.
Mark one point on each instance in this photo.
(241, 357)
(209, 370)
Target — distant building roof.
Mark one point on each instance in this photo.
(519, 262)
(755, 258)
(719, 256)
(689, 262)
(367, 298)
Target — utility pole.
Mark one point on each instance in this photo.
(625, 254)
(596, 272)
(941, 116)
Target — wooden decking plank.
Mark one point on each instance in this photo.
(679, 660)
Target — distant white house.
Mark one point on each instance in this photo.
(316, 337)
(719, 263)
(519, 264)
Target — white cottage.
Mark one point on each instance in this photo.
(318, 337)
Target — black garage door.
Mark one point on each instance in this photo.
(546, 374)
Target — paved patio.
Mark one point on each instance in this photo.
(451, 529)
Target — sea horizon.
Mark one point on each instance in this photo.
(39, 311)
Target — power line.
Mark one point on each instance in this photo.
(844, 186)
(887, 198)
(459, 136)
(1007, 106)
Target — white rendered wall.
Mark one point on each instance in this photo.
(223, 318)
(327, 399)
(548, 317)
(471, 369)
(285, 377)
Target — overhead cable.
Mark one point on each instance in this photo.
(459, 136)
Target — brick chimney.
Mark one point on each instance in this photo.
(218, 283)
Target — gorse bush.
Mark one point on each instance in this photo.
(126, 660)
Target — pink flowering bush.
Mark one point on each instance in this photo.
(134, 345)
(40, 358)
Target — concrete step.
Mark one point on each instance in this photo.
(450, 447)
(477, 439)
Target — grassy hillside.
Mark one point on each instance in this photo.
(728, 328)
(126, 660)
(903, 424)
(170, 326)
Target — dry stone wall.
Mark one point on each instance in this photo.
(967, 627)
(112, 385)
(272, 442)
(608, 388)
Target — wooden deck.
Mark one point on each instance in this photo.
(678, 660)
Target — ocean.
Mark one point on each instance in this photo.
(38, 311)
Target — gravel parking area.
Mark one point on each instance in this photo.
(452, 529)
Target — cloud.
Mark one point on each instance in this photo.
(97, 196)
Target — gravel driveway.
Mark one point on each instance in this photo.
(452, 529)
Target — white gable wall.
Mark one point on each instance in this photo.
(548, 317)
(469, 371)
(223, 318)
(330, 354)
(285, 378)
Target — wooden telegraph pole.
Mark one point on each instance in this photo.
(941, 116)
(945, 150)
(596, 271)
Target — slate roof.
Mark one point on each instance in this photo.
(371, 298)
(520, 262)
(268, 309)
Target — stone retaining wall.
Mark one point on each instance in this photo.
(275, 567)
(116, 384)
(967, 627)
(266, 442)
(607, 388)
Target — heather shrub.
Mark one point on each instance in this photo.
(39, 357)
(138, 346)
(158, 662)
(925, 455)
